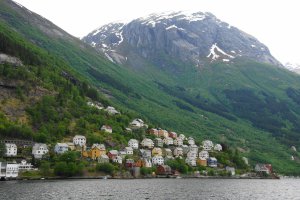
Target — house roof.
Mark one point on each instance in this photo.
(79, 136)
(62, 144)
(114, 152)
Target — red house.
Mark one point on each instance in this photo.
(164, 170)
(112, 154)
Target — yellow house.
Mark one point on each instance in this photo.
(95, 152)
(156, 151)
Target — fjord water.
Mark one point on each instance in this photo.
(152, 189)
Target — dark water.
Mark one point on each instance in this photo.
(152, 189)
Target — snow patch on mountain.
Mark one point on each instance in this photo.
(215, 51)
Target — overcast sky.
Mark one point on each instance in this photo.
(273, 22)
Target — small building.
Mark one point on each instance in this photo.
(173, 135)
(218, 147)
(202, 162)
(38, 150)
(191, 141)
(167, 152)
(106, 129)
(181, 136)
(61, 148)
(164, 170)
(79, 140)
(145, 153)
(163, 133)
(207, 145)
(262, 168)
(103, 159)
(212, 162)
(231, 170)
(293, 148)
(178, 151)
(129, 163)
(156, 151)
(178, 142)
(133, 143)
(147, 143)
(153, 131)
(168, 141)
(12, 170)
(112, 154)
(71, 146)
(192, 154)
(118, 159)
(203, 155)
(137, 123)
(191, 161)
(24, 166)
(158, 142)
(185, 149)
(147, 163)
(101, 147)
(128, 150)
(122, 154)
(11, 149)
(157, 160)
(111, 110)
(193, 148)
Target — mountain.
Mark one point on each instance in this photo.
(294, 67)
(246, 103)
(189, 37)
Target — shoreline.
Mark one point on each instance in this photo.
(134, 178)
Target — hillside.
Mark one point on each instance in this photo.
(196, 101)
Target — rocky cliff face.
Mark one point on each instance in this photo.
(194, 38)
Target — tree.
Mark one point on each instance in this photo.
(106, 168)
(45, 168)
(2, 150)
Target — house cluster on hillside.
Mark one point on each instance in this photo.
(164, 145)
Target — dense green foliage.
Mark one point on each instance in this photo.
(107, 168)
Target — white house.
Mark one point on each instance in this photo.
(106, 129)
(158, 142)
(185, 149)
(111, 110)
(178, 151)
(147, 162)
(181, 136)
(207, 145)
(168, 152)
(192, 154)
(191, 141)
(157, 160)
(79, 140)
(11, 149)
(218, 147)
(137, 123)
(231, 170)
(145, 153)
(147, 143)
(191, 161)
(97, 105)
(118, 159)
(122, 154)
(12, 170)
(193, 148)
(133, 143)
(129, 150)
(178, 142)
(168, 141)
(39, 149)
(61, 148)
(24, 166)
(103, 159)
(203, 155)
